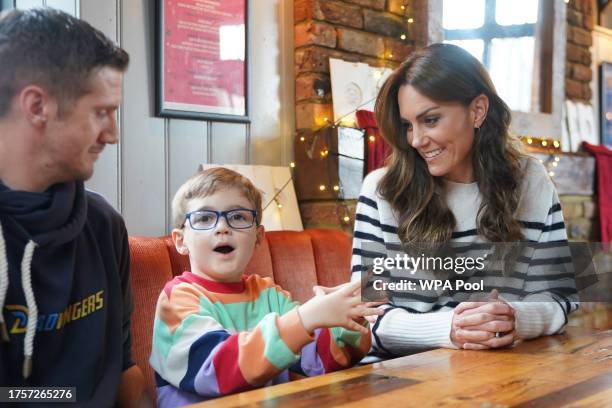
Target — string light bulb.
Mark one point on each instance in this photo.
(336, 188)
(292, 165)
(544, 143)
(302, 138)
(346, 218)
(556, 143)
(322, 187)
(529, 141)
(372, 138)
(403, 36)
(410, 20)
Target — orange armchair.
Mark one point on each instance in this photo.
(296, 260)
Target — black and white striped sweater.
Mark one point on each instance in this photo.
(407, 327)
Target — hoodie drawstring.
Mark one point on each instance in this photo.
(26, 283)
(3, 286)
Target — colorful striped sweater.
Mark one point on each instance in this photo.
(411, 324)
(212, 339)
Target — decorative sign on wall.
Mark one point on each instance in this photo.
(202, 65)
(355, 85)
(606, 104)
(580, 124)
(281, 210)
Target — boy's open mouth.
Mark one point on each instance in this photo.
(224, 249)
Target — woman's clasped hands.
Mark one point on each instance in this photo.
(482, 325)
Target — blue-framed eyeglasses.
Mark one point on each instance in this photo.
(240, 218)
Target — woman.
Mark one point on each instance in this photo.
(455, 175)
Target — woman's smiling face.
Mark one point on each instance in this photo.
(442, 132)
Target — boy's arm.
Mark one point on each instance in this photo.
(132, 389)
(194, 352)
(333, 349)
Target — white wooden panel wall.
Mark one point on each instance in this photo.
(144, 165)
(187, 145)
(156, 155)
(69, 6)
(26, 4)
(105, 17)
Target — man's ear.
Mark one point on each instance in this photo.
(261, 235)
(178, 237)
(479, 107)
(37, 105)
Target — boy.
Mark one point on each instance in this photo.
(217, 331)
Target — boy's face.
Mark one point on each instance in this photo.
(208, 250)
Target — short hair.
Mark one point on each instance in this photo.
(207, 182)
(55, 51)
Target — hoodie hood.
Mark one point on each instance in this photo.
(53, 217)
(64, 283)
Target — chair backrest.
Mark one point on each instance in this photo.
(150, 270)
(296, 260)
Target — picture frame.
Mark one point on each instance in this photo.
(605, 103)
(202, 60)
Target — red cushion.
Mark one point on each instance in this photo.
(150, 270)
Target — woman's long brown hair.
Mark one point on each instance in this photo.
(444, 72)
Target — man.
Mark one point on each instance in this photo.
(64, 284)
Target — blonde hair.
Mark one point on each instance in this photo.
(207, 182)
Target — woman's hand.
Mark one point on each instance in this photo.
(483, 325)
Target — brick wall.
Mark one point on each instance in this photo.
(578, 75)
(376, 32)
(580, 212)
(581, 217)
(368, 31)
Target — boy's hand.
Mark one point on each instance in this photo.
(323, 290)
(337, 307)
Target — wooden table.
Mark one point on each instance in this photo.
(573, 369)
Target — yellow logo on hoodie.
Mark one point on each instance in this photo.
(54, 321)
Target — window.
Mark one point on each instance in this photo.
(505, 36)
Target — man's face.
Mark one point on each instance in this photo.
(74, 141)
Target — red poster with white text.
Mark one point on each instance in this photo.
(204, 56)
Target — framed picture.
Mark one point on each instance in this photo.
(202, 59)
(606, 103)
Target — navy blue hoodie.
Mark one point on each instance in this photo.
(80, 282)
